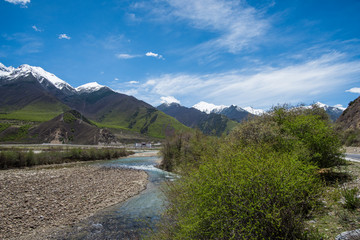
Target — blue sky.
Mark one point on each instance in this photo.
(248, 53)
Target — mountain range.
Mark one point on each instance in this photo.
(32, 94)
(211, 124)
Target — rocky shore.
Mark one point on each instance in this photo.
(35, 201)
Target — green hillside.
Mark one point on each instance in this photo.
(150, 122)
(37, 111)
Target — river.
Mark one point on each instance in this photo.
(129, 219)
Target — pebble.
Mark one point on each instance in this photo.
(35, 201)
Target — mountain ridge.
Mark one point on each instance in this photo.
(99, 103)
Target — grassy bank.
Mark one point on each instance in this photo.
(18, 157)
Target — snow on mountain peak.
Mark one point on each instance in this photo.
(208, 107)
(169, 100)
(37, 72)
(254, 111)
(89, 87)
(321, 105)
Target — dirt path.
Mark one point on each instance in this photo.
(34, 201)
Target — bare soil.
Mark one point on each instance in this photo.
(352, 150)
(36, 200)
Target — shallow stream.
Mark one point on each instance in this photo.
(129, 219)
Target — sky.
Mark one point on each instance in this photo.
(257, 53)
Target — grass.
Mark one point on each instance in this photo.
(37, 112)
(20, 157)
(4, 126)
(154, 124)
(341, 212)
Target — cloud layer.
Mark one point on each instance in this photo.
(259, 87)
(235, 24)
(354, 90)
(22, 2)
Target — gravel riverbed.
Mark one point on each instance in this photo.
(36, 201)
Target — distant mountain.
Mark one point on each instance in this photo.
(233, 112)
(25, 98)
(32, 94)
(254, 111)
(208, 107)
(238, 114)
(333, 112)
(212, 124)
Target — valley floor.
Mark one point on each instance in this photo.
(36, 201)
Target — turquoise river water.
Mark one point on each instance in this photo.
(129, 219)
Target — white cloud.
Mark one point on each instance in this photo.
(169, 99)
(353, 90)
(133, 82)
(260, 87)
(339, 106)
(22, 2)
(125, 56)
(235, 25)
(37, 29)
(116, 79)
(64, 36)
(155, 55)
(129, 92)
(130, 56)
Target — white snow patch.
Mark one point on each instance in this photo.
(321, 105)
(209, 107)
(169, 100)
(39, 73)
(89, 87)
(254, 111)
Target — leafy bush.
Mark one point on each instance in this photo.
(242, 193)
(184, 150)
(260, 182)
(307, 131)
(68, 117)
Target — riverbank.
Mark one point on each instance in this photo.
(34, 201)
(352, 150)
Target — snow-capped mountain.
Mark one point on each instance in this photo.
(89, 87)
(208, 107)
(233, 112)
(211, 123)
(44, 77)
(333, 111)
(254, 111)
(28, 87)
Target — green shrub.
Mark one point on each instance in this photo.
(352, 201)
(260, 182)
(184, 150)
(307, 131)
(242, 193)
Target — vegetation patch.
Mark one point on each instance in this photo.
(15, 158)
(263, 181)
